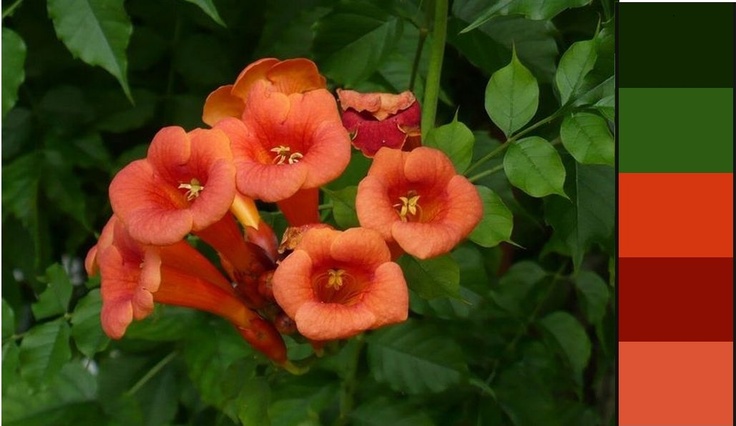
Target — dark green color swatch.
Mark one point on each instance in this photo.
(675, 44)
(675, 130)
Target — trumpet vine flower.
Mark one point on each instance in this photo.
(377, 120)
(337, 284)
(290, 76)
(417, 200)
(134, 276)
(185, 184)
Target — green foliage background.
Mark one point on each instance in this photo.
(514, 327)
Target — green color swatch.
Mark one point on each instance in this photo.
(675, 130)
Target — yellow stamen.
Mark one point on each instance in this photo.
(335, 279)
(193, 188)
(409, 205)
(283, 155)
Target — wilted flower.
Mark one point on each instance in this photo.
(377, 120)
(417, 200)
(338, 284)
(290, 76)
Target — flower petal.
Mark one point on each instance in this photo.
(297, 75)
(330, 321)
(292, 282)
(388, 297)
(221, 103)
(252, 73)
(360, 246)
(374, 208)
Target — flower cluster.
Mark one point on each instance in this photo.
(276, 136)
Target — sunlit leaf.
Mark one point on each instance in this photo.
(534, 166)
(44, 350)
(512, 96)
(575, 64)
(96, 31)
(430, 278)
(55, 299)
(415, 358)
(14, 57)
(455, 140)
(497, 222)
(587, 138)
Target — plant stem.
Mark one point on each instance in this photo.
(514, 138)
(437, 52)
(9, 11)
(347, 389)
(486, 173)
(152, 372)
(417, 58)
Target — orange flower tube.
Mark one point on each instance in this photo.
(417, 200)
(134, 276)
(338, 284)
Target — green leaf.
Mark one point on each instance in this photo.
(208, 7)
(384, 411)
(166, 324)
(587, 138)
(8, 320)
(298, 401)
(430, 278)
(571, 338)
(67, 398)
(11, 361)
(96, 31)
(20, 188)
(252, 402)
(594, 295)
(211, 351)
(44, 351)
(415, 358)
(534, 166)
(588, 217)
(530, 9)
(86, 328)
(607, 107)
(490, 47)
(343, 206)
(14, 57)
(55, 299)
(512, 96)
(455, 140)
(497, 222)
(516, 285)
(575, 64)
(354, 40)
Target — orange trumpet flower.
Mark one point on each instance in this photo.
(417, 200)
(290, 76)
(186, 183)
(338, 284)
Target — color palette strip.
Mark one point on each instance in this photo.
(675, 211)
